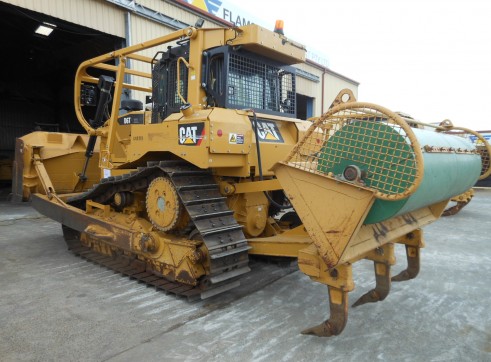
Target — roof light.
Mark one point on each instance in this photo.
(199, 23)
(45, 29)
(278, 27)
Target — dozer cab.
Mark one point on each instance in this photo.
(179, 193)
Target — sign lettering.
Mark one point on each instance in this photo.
(191, 134)
(268, 131)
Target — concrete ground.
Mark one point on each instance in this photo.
(55, 306)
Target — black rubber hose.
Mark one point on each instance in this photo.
(259, 164)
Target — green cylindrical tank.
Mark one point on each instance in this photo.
(388, 164)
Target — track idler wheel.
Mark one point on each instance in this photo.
(122, 199)
(164, 207)
(338, 306)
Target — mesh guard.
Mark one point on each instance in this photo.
(371, 138)
(482, 146)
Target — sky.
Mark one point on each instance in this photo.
(427, 58)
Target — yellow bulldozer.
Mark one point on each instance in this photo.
(179, 192)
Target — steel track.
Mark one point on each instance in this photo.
(209, 214)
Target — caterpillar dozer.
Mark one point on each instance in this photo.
(179, 193)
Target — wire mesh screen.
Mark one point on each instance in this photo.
(254, 84)
(481, 146)
(485, 159)
(158, 92)
(365, 139)
(174, 101)
(165, 95)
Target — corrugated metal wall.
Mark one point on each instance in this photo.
(310, 88)
(333, 85)
(176, 12)
(96, 14)
(142, 30)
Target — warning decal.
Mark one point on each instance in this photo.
(236, 139)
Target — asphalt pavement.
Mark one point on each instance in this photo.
(55, 306)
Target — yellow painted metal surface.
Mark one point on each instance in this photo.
(314, 266)
(250, 210)
(260, 40)
(374, 235)
(246, 186)
(61, 156)
(312, 195)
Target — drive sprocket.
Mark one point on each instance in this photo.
(164, 208)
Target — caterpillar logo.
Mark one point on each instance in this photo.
(269, 132)
(191, 134)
